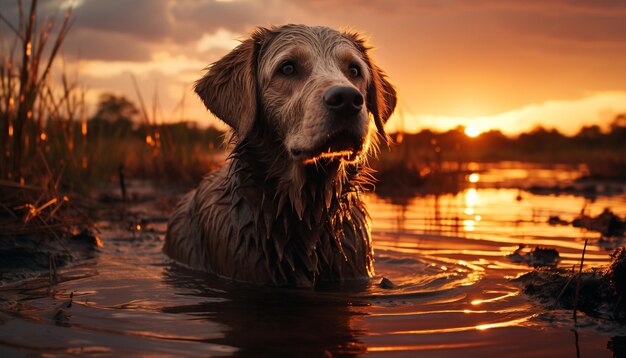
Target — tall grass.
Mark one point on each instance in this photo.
(45, 136)
(27, 99)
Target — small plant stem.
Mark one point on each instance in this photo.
(580, 271)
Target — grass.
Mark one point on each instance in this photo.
(44, 119)
(50, 151)
(27, 96)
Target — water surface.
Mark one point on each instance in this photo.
(445, 254)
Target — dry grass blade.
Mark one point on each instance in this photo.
(14, 185)
(63, 31)
(23, 86)
(569, 280)
(16, 32)
(580, 272)
(142, 104)
(28, 213)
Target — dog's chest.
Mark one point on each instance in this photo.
(284, 248)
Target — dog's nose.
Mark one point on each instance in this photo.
(343, 100)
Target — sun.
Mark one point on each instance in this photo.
(472, 131)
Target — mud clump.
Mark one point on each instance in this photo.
(386, 283)
(601, 292)
(25, 257)
(556, 220)
(42, 230)
(607, 223)
(556, 288)
(616, 277)
(537, 257)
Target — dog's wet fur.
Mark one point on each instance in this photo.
(307, 105)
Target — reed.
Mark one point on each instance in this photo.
(27, 100)
(39, 115)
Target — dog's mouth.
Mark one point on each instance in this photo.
(339, 145)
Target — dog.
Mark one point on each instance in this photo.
(306, 105)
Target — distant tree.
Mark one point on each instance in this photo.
(115, 116)
(619, 121)
(493, 139)
(453, 138)
(590, 137)
(617, 136)
(113, 108)
(542, 139)
(589, 132)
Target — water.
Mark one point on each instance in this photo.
(446, 256)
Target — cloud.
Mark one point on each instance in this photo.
(132, 31)
(198, 17)
(570, 26)
(161, 62)
(88, 44)
(221, 39)
(450, 59)
(143, 19)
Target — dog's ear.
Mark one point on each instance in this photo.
(381, 98)
(381, 94)
(229, 90)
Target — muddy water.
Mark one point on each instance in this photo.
(445, 254)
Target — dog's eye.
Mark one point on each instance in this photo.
(354, 71)
(288, 68)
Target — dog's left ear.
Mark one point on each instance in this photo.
(229, 90)
(381, 95)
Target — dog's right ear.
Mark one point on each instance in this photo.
(228, 89)
(381, 94)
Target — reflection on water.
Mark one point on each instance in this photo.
(445, 254)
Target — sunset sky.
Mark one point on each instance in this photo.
(509, 64)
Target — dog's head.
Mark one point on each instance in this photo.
(316, 87)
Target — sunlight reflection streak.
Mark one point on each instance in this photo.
(478, 302)
(400, 314)
(425, 347)
(480, 327)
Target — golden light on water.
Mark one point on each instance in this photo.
(423, 347)
(515, 322)
(473, 178)
(471, 197)
(478, 302)
(480, 327)
(469, 225)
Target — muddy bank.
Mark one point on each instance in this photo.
(45, 231)
(597, 292)
(27, 257)
(42, 230)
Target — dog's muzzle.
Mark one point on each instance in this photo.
(345, 137)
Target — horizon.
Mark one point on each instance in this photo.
(508, 65)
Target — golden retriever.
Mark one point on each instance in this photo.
(307, 105)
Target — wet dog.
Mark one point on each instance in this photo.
(307, 105)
